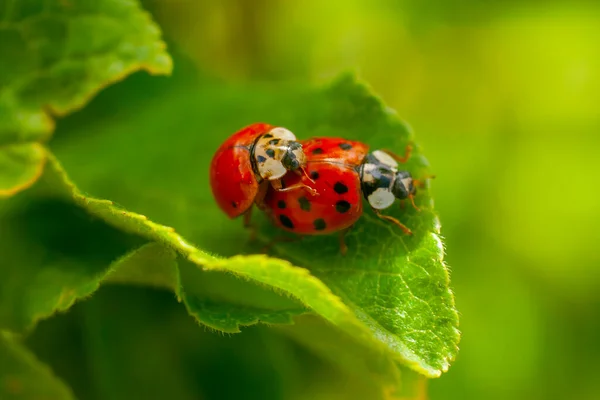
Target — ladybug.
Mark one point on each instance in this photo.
(382, 183)
(331, 165)
(245, 164)
(343, 172)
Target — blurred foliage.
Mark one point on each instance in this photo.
(55, 56)
(504, 97)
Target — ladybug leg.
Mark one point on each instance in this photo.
(421, 182)
(260, 195)
(248, 218)
(393, 221)
(277, 185)
(412, 201)
(258, 201)
(249, 225)
(401, 159)
(343, 246)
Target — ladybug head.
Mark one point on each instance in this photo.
(276, 152)
(382, 183)
(403, 186)
(294, 157)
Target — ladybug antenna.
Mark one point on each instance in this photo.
(421, 182)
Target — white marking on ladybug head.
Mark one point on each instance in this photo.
(368, 172)
(271, 169)
(277, 152)
(381, 198)
(385, 158)
(407, 182)
(282, 133)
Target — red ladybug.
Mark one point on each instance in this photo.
(246, 162)
(331, 164)
(343, 172)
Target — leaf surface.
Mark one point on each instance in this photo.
(21, 164)
(24, 377)
(391, 291)
(55, 254)
(56, 56)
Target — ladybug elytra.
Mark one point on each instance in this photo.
(330, 165)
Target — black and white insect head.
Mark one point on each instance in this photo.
(381, 181)
(277, 152)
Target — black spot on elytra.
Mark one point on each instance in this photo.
(318, 150)
(285, 221)
(314, 175)
(270, 152)
(304, 203)
(345, 146)
(261, 159)
(233, 204)
(281, 204)
(268, 135)
(274, 141)
(340, 188)
(342, 206)
(319, 224)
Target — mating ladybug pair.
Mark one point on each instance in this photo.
(309, 187)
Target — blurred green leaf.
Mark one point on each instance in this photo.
(390, 291)
(355, 359)
(132, 342)
(156, 265)
(55, 57)
(21, 164)
(48, 270)
(52, 255)
(24, 377)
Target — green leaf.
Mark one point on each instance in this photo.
(390, 291)
(133, 342)
(21, 164)
(56, 56)
(24, 377)
(225, 307)
(54, 255)
(150, 265)
(356, 359)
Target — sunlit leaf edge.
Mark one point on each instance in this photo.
(200, 308)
